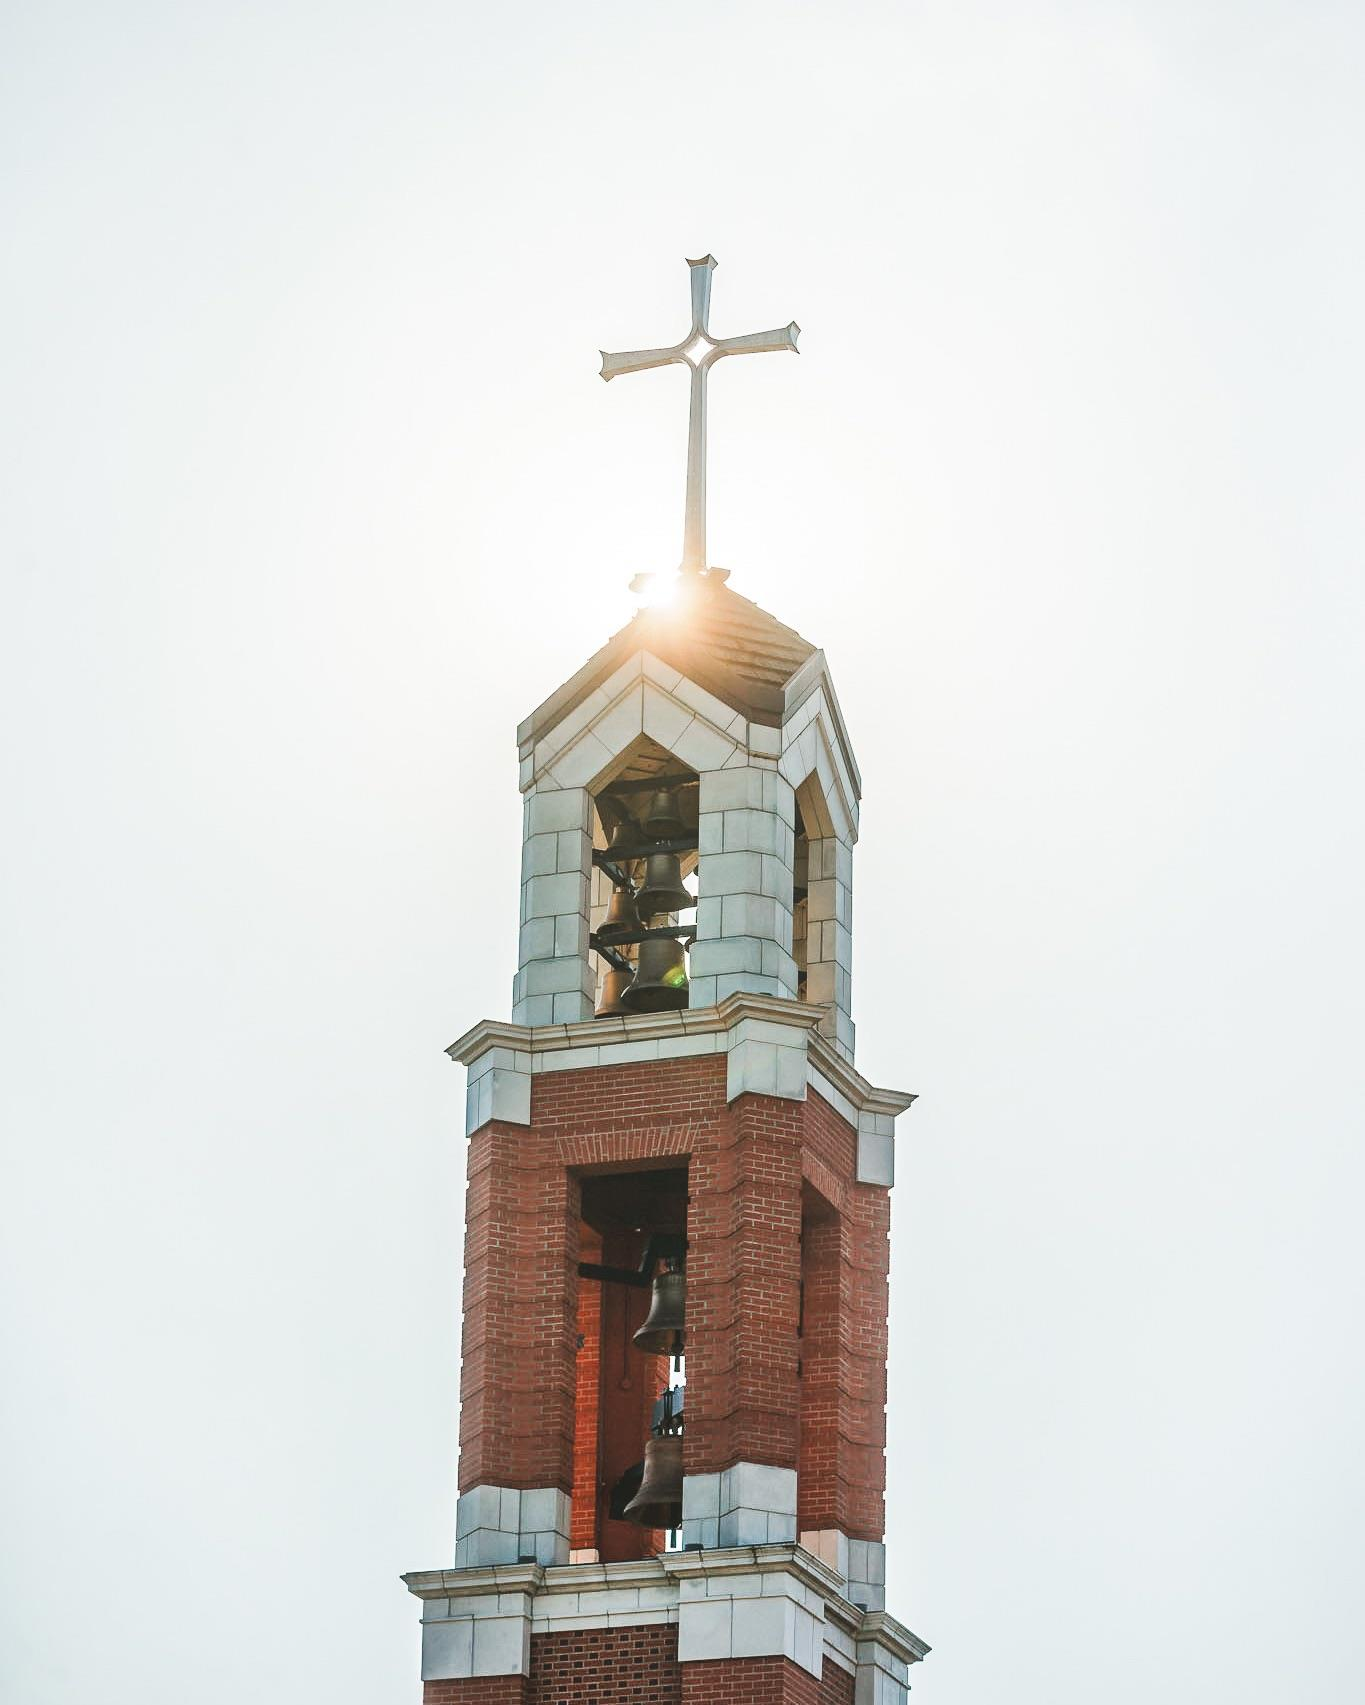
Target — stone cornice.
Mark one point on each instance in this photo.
(495, 1578)
(633, 1027)
(881, 1626)
(691, 1021)
(786, 1558)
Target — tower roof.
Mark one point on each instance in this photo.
(720, 640)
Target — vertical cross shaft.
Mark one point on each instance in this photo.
(699, 352)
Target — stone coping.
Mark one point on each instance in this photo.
(691, 1021)
(496, 1580)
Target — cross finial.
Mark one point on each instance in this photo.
(700, 352)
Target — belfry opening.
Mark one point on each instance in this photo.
(644, 898)
(629, 1377)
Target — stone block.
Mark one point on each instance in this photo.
(502, 1645)
(702, 747)
(447, 1650)
(763, 1627)
(562, 808)
(704, 1629)
(664, 718)
(731, 789)
(732, 873)
(548, 896)
(876, 1159)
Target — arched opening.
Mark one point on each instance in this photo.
(642, 905)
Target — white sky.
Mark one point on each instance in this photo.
(312, 492)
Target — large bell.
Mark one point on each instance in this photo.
(662, 1332)
(663, 889)
(615, 986)
(622, 917)
(658, 1503)
(660, 978)
(663, 821)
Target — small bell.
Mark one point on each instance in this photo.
(662, 1331)
(663, 889)
(658, 1503)
(660, 978)
(663, 821)
(622, 917)
(615, 986)
(627, 842)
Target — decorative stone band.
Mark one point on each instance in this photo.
(771, 1046)
(741, 1602)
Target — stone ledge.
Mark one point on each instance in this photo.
(772, 1046)
(793, 1602)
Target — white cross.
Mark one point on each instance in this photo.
(699, 351)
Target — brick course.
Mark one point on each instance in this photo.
(749, 1681)
(606, 1666)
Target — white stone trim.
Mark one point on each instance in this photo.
(502, 1524)
(772, 1046)
(740, 1601)
(859, 1563)
(750, 1503)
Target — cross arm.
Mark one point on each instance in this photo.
(753, 343)
(636, 360)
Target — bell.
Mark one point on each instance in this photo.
(663, 889)
(626, 842)
(658, 1503)
(662, 1332)
(622, 918)
(615, 986)
(660, 978)
(662, 820)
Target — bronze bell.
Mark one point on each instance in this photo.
(662, 1332)
(622, 917)
(663, 821)
(615, 986)
(658, 1503)
(660, 978)
(626, 842)
(663, 889)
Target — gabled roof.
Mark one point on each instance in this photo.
(718, 639)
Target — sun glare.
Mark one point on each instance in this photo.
(659, 591)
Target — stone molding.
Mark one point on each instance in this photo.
(737, 1602)
(772, 1045)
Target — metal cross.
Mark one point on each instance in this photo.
(699, 351)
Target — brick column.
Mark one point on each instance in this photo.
(520, 1326)
(743, 1300)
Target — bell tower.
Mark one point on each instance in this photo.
(673, 1389)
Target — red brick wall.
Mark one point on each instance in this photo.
(606, 1666)
(587, 1376)
(836, 1686)
(843, 1469)
(639, 1666)
(476, 1690)
(749, 1681)
(520, 1325)
(743, 1288)
(745, 1402)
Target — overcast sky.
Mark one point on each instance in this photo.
(312, 492)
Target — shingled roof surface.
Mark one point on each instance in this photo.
(745, 640)
(716, 638)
